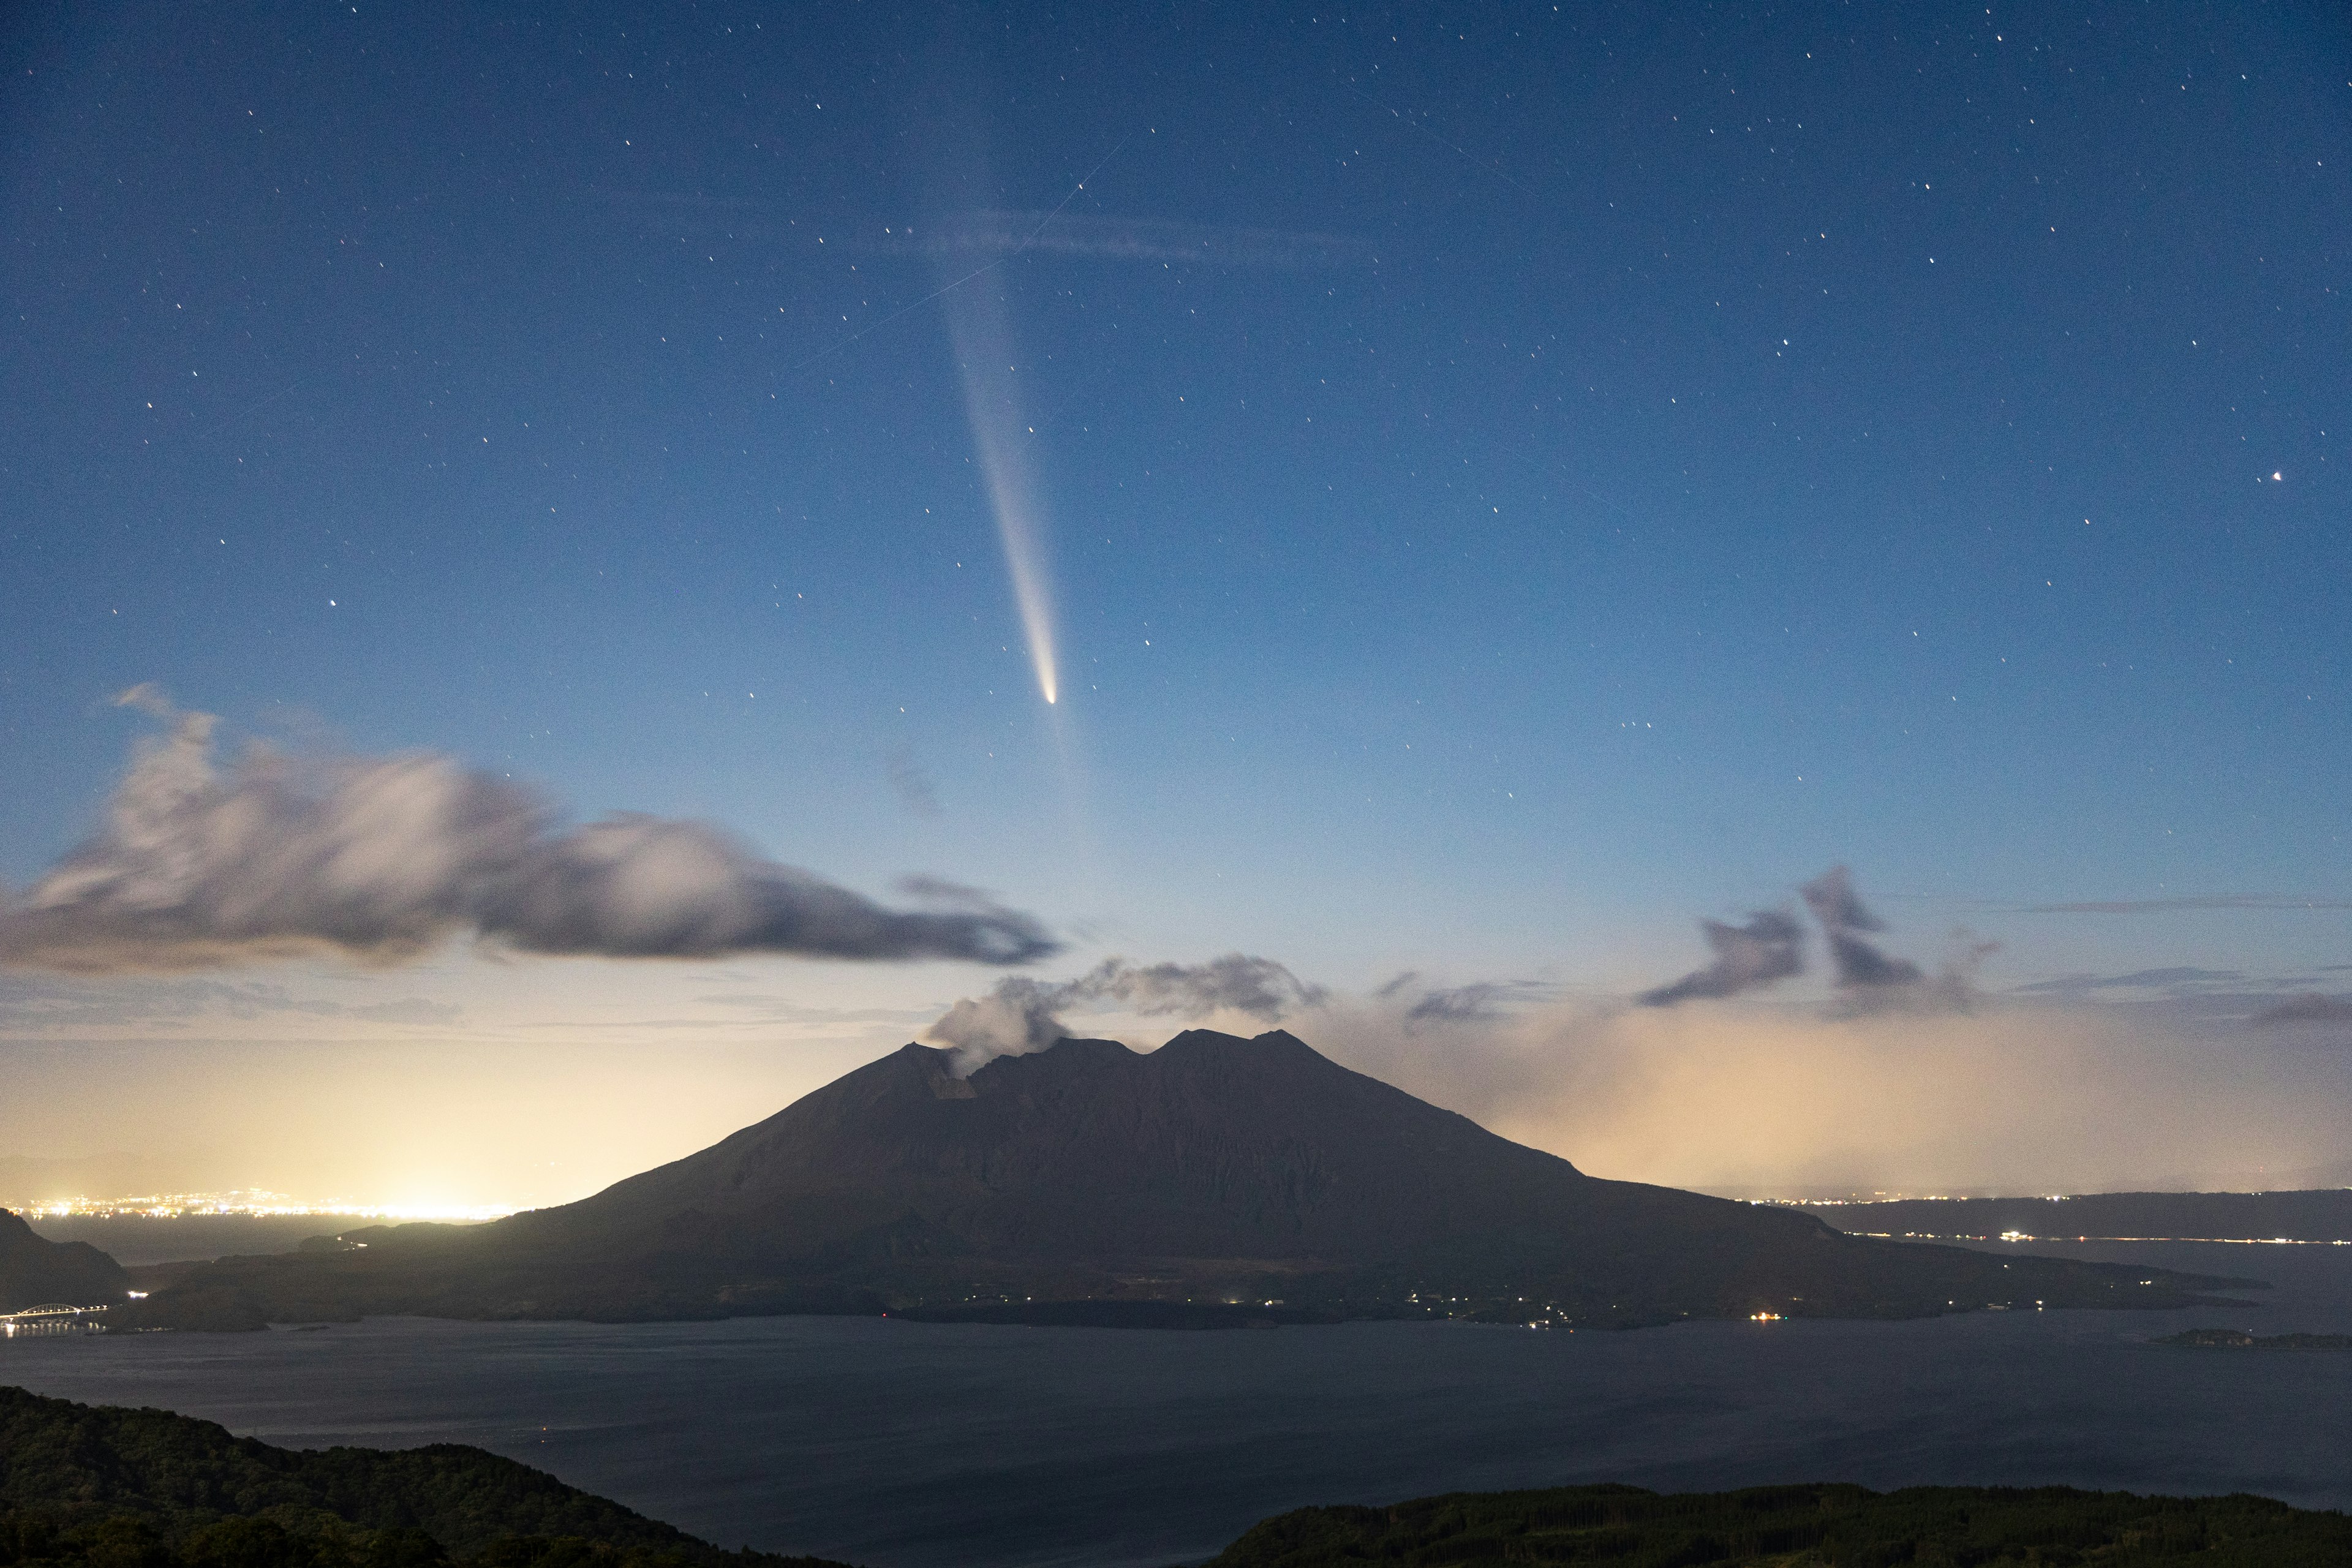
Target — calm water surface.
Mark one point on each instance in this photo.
(910, 1445)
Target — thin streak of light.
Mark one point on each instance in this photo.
(991, 393)
(227, 424)
(993, 402)
(1013, 255)
(1495, 169)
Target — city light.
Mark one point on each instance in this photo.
(251, 1203)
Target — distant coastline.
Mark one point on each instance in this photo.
(136, 1240)
(2317, 1217)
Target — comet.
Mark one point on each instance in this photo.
(1006, 442)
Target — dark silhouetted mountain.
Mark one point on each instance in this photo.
(35, 1272)
(105, 1486)
(1214, 1170)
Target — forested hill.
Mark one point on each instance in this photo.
(1800, 1526)
(95, 1485)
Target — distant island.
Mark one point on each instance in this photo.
(2241, 1340)
(1799, 1526)
(97, 1487)
(1242, 1180)
(2318, 1216)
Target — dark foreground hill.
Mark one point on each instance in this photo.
(35, 1272)
(1802, 1527)
(2320, 1214)
(94, 1487)
(1212, 1171)
(146, 1489)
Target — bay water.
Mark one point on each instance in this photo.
(906, 1445)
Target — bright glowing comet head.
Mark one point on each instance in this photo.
(991, 396)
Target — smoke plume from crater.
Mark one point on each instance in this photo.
(1021, 1014)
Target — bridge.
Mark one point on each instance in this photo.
(52, 1318)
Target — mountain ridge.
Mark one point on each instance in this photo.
(36, 1271)
(1215, 1169)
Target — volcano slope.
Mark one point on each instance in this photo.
(1253, 1180)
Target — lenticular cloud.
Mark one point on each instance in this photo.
(385, 858)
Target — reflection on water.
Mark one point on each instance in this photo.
(906, 1445)
(30, 1328)
(51, 1319)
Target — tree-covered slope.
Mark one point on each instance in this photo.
(89, 1482)
(1802, 1527)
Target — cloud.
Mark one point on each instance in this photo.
(912, 785)
(1835, 904)
(2312, 1008)
(2178, 979)
(1769, 948)
(1749, 1096)
(1022, 1015)
(1873, 980)
(1859, 965)
(990, 232)
(1479, 1000)
(2165, 906)
(383, 859)
(40, 1005)
(1458, 1003)
(997, 232)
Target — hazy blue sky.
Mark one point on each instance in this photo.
(1504, 482)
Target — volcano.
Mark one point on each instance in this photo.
(1214, 1179)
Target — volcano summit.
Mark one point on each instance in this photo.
(1091, 1183)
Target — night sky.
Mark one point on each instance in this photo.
(1488, 487)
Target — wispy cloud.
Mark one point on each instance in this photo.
(1480, 1001)
(1004, 232)
(2169, 906)
(1871, 979)
(2026, 1096)
(912, 785)
(2176, 981)
(996, 233)
(2311, 1008)
(1769, 948)
(39, 1004)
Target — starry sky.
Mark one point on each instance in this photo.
(1486, 487)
